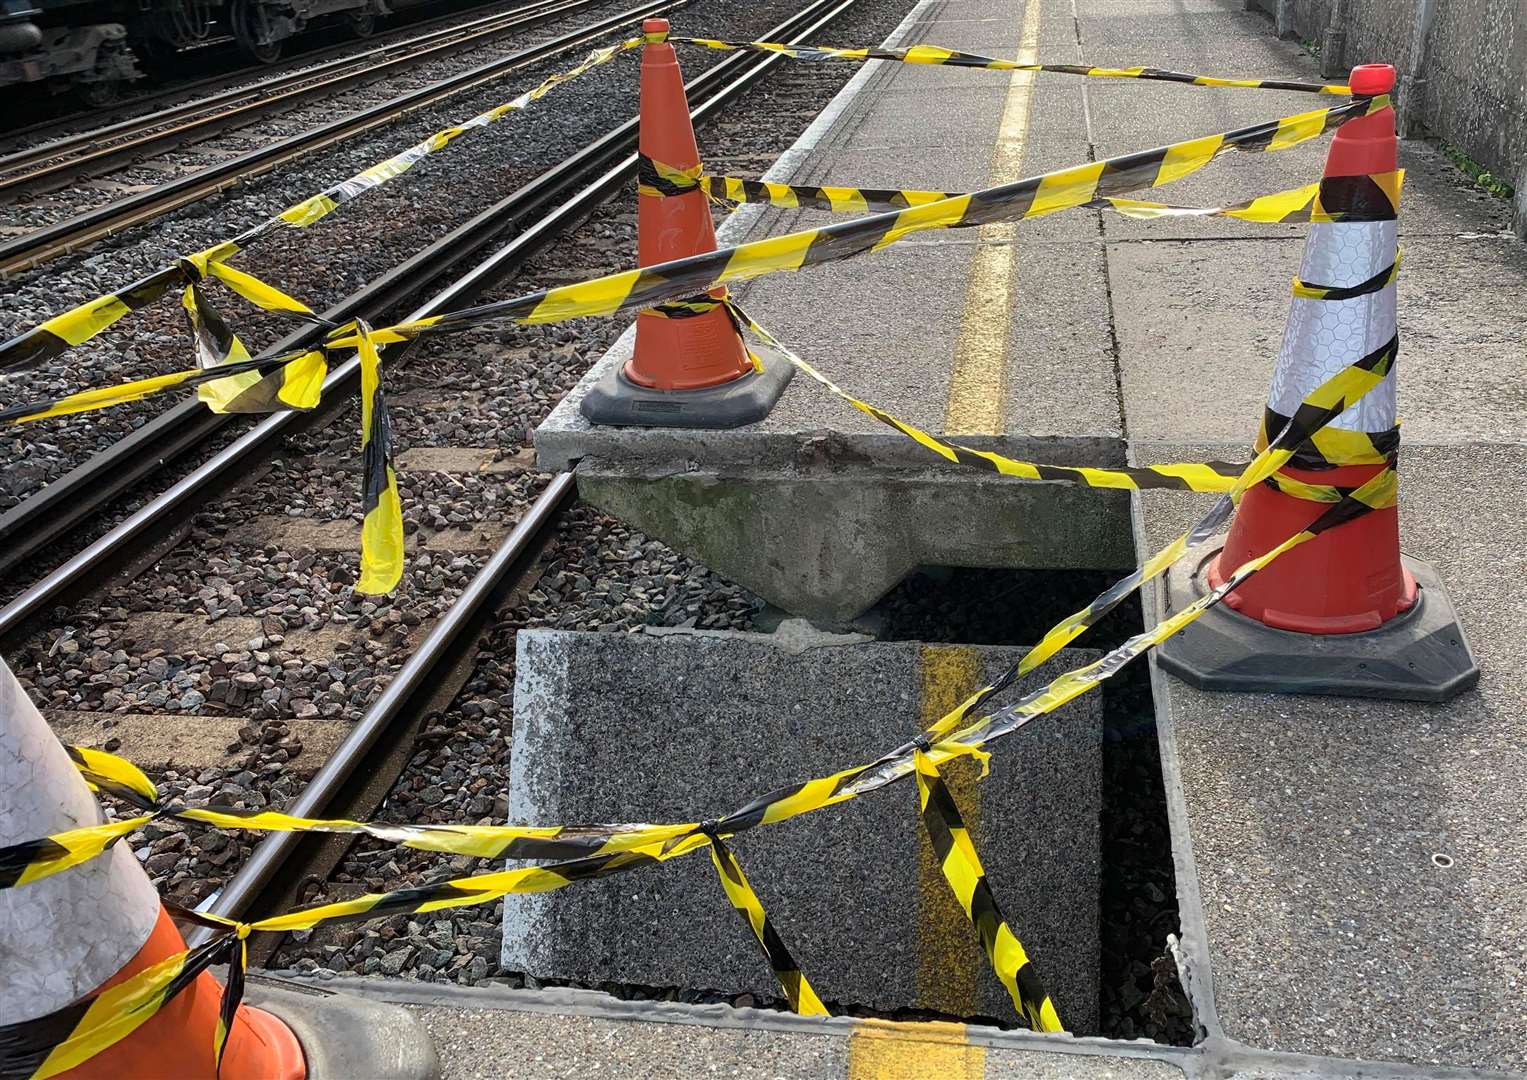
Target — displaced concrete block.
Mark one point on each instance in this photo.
(643, 728)
(828, 544)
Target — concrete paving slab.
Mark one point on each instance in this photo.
(486, 1033)
(1210, 315)
(1002, 337)
(490, 1045)
(1361, 863)
(902, 359)
(619, 728)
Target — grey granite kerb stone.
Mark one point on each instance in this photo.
(615, 727)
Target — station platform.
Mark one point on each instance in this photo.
(1350, 872)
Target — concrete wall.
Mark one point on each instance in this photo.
(1463, 66)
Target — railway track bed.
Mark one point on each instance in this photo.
(233, 657)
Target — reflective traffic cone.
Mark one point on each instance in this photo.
(97, 924)
(1343, 613)
(689, 367)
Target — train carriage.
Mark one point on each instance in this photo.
(95, 47)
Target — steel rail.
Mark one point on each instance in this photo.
(297, 63)
(29, 526)
(277, 862)
(139, 528)
(37, 247)
(203, 117)
(404, 699)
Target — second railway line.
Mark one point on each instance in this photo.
(243, 618)
(46, 164)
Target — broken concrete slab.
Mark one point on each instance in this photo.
(955, 331)
(622, 727)
(827, 544)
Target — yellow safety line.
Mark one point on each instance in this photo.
(882, 1050)
(977, 385)
(949, 961)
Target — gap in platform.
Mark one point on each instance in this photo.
(1140, 995)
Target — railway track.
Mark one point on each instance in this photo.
(49, 165)
(374, 751)
(581, 181)
(217, 65)
(240, 605)
(35, 248)
(39, 521)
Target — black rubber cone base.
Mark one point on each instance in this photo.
(1421, 655)
(617, 401)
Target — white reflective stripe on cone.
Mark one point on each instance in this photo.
(65, 935)
(1322, 336)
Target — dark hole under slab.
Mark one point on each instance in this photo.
(1140, 995)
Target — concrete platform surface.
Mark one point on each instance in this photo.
(1351, 873)
(955, 332)
(494, 1031)
(685, 727)
(1348, 852)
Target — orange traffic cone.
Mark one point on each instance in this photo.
(689, 367)
(1342, 613)
(74, 933)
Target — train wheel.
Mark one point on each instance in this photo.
(248, 26)
(363, 23)
(99, 92)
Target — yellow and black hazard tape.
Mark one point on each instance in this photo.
(78, 325)
(297, 384)
(798, 991)
(632, 290)
(661, 180)
(1379, 200)
(292, 382)
(27, 862)
(74, 1034)
(673, 284)
(680, 279)
(382, 524)
(45, 1046)
(1311, 420)
(1378, 493)
(1211, 476)
(103, 397)
(1333, 447)
(961, 866)
(937, 55)
(1305, 291)
(310, 210)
